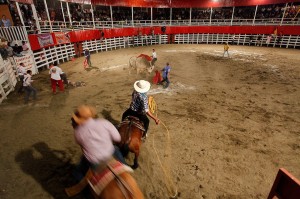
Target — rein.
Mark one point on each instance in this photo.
(124, 187)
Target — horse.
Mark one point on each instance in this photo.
(131, 131)
(112, 182)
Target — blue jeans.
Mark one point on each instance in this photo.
(84, 164)
(28, 91)
(166, 79)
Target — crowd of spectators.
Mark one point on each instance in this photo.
(8, 49)
(83, 13)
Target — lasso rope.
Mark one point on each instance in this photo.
(170, 184)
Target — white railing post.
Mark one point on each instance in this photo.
(20, 13)
(37, 23)
(63, 13)
(69, 14)
(255, 14)
(283, 13)
(151, 16)
(190, 16)
(48, 16)
(132, 20)
(170, 16)
(92, 11)
(111, 17)
(232, 16)
(210, 16)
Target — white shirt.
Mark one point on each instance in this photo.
(21, 70)
(154, 55)
(27, 80)
(55, 73)
(25, 47)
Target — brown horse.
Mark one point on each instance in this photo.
(113, 191)
(122, 186)
(131, 131)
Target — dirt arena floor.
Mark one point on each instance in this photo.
(233, 123)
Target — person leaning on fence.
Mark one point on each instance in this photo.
(87, 55)
(154, 57)
(226, 48)
(21, 72)
(28, 87)
(55, 73)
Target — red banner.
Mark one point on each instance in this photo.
(62, 37)
(24, 1)
(87, 35)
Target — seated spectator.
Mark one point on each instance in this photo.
(5, 21)
(9, 49)
(17, 50)
(3, 51)
(35, 30)
(25, 46)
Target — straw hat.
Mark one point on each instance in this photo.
(83, 113)
(142, 86)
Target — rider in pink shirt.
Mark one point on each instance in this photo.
(95, 137)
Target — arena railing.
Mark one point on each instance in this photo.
(8, 78)
(65, 52)
(60, 53)
(286, 41)
(59, 26)
(14, 33)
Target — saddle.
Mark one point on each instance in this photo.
(101, 178)
(129, 121)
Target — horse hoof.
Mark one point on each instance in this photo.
(135, 166)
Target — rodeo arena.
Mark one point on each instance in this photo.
(150, 99)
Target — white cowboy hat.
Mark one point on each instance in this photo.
(84, 112)
(142, 86)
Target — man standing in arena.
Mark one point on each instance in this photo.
(21, 72)
(154, 57)
(27, 86)
(166, 75)
(226, 48)
(88, 57)
(56, 73)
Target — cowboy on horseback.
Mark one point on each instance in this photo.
(139, 105)
(96, 138)
(107, 177)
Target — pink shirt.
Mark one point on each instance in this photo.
(96, 138)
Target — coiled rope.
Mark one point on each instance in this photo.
(169, 182)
